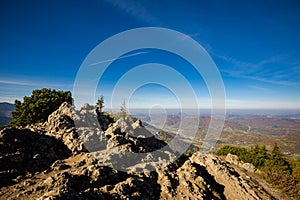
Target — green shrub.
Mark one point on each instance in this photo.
(257, 155)
(110, 117)
(38, 106)
(231, 149)
(189, 153)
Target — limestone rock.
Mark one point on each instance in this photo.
(234, 159)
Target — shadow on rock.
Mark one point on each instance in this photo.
(217, 188)
(24, 152)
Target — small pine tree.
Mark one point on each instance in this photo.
(258, 155)
(100, 104)
(123, 110)
(278, 162)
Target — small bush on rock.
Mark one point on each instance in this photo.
(38, 106)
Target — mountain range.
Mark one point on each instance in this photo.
(6, 112)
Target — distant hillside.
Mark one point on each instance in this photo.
(5, 113)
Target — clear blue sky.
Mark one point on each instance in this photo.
(255, 45)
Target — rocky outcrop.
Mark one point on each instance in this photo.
(23, 152)
(71, 157)
(60, 125)
(234, 159)
(130, 147)
(75, 128)
(84, 177)
(237, 185)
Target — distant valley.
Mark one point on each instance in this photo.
(241, 128)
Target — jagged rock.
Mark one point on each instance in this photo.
(84, 129)
(120, 127)
(61, 126)
(88, 116)
(129, 151)
(237, 185)
(137, 123)
(116, 140)
(234, 159)
(249, 167)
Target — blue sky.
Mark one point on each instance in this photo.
(255, 45)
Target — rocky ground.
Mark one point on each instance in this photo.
(55, 160)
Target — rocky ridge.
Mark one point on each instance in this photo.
(55, 160)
